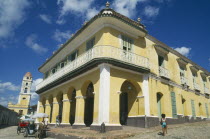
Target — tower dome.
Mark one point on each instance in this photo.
(28, 74)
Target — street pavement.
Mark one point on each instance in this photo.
(11, 133)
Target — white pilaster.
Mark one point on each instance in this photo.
(146, 94)
(104, 94)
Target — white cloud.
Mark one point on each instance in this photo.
(34, 96)
(91, 13)
(45, 18)
(77, 7)
(183, 50)
(4, 86)
(12, 14)
(30, 42)
(151, 11)
(35, 83)
(126, 7)
(60, 36)
(11, 98)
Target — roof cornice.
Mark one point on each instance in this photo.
(109, 12)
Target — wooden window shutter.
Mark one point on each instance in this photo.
(173, 104)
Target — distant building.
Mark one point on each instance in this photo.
(24, 97)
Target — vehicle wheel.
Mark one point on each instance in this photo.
(18, 130)
(36, 135)
(25, 133)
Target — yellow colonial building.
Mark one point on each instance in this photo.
(113, 71)
(24, 97)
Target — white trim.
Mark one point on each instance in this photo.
(120, 41)
(137, 116)
(67, 100)
(119, 92)
(79, 124)
(88, 72)
(106, 124)
(139, 97)
(80, 97)
(104, 95)
(146, 94)
(55, 103)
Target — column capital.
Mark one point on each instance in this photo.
(67, 100)
(47, 104)
(55, 103)
(138, 97)
(80, 97)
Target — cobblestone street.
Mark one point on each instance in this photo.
(187, 131)
(181, 131)
(11, 133)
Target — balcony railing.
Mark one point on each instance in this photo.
(163, 72)
(184, 80)
(196, 86)
(97, 52)
(206, 90)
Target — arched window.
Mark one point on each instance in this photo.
(26, 89)
(26, 84)
(24, 98)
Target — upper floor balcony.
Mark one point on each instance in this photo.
(206, 90)
(196, 86)
(98, 52)
(184, 80)
(163, 72)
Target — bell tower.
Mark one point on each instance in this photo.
(24, 97)
(25, 92)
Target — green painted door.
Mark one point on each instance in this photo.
(193, 108)
(207, 110)
(159, 105)
(173, 104)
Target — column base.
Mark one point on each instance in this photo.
(65, 125)
(108, 127)
(77, 125)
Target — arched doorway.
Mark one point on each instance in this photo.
(123, 108)
(159, 105)
(60, 103)
(51, 107)
(89, 105)
(183, 106)
(128, 101)
(73, 107)
(200, 109)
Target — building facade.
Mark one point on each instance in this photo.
(113, 71)
(24, 97)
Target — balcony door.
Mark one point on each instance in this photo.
(127, 45)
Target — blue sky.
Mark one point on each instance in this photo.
(30, 30)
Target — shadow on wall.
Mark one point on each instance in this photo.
(7, 117)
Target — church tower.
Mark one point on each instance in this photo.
(25, 92)
(24, 97)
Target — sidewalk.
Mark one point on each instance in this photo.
(199, 129)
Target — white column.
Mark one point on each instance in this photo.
(146, 94)
(104, 94)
